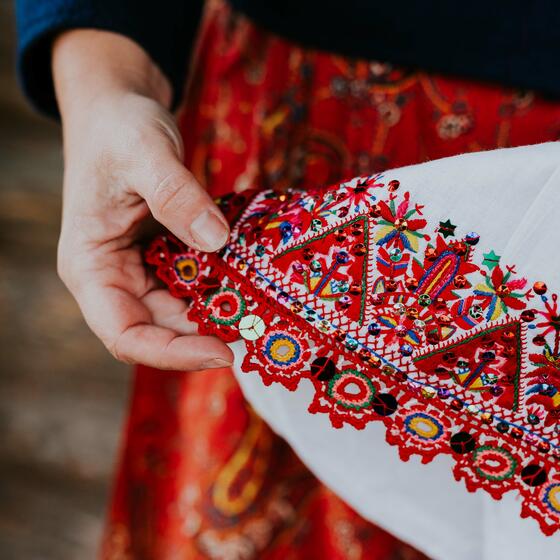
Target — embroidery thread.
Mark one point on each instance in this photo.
(347, 287)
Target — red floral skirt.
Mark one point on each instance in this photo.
(201, 476)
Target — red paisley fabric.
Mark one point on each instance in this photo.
(201, 476)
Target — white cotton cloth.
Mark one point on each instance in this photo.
(511, 198)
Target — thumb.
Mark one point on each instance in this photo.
(178, 201)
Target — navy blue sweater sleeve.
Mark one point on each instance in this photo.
(165, 29)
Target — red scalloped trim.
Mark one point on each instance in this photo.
(419, 420)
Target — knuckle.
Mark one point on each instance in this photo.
(118, 352)
(160, 363)
(159, 358)
(64, 269)
(171, 194)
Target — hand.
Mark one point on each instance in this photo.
(123, 165)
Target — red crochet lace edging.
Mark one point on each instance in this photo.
(355, 385)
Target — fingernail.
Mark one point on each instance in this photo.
(215, 363)
(209, 232)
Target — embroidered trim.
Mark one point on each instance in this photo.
(345, 287)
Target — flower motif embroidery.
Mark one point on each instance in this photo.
(398, 226)
(498, 293)
(432, 339)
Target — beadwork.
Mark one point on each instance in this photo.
(392, 319)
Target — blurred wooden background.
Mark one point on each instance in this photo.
(62, 397)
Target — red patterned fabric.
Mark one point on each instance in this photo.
(392, 319)
(201, 476)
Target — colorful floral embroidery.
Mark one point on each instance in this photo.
(391, 321)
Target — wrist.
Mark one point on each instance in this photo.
(89, 64)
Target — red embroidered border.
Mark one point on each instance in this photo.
(232, 299)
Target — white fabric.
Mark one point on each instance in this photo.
(512, 199)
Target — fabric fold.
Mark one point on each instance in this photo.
(401, 307)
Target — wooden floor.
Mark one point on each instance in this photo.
(62, 398)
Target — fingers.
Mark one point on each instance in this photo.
(178, 201)
(124, 324)
(168, 311)
(163, 349)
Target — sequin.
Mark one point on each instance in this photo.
(417, 294)
(357, 229)
(543, 446)
(315, 266)
(323, 368)
(251, 327)
(460, 248)
(388, 370)
(431, 254)
(447, 229)
(476, 312)
(343, 303)
(540, 288)
(340, 235)
(411, 283)
(296, 307)
(502, 427)
(539, 340)
(462, 442)
(308, 254)
(375, 211)
(342, 257)
(460, 281)
(406, 350)
(472, 238)
(359, 250)
(351, 343)
(384, 404)
(400, 308)
(395, 255)
(412, 313)
(428, 392)
(316, 225)
(355, 289)
(374, 361)
(391, 285)
(456, 404)
(283, 298)
(516, 433)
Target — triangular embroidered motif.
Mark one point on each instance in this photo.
(487, 362)
(325, 265)
(351, 289)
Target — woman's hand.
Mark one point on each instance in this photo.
(123, 164)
